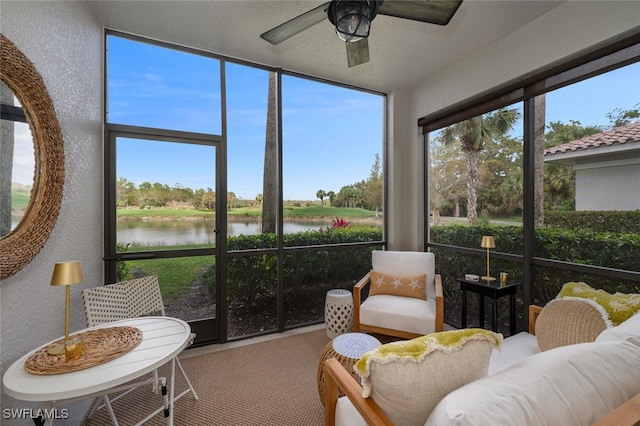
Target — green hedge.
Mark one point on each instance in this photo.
(250, 277)
(618, 251)
(622, 222)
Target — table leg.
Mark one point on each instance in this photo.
(172, 392)
(494, 316)
(107, 404)
(481, 310)
(512, 314)
(46, 414)
(463, 314)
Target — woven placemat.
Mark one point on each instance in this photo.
(99, 346)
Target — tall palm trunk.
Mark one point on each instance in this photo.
(538, 180)
(472, 185)
(270, 177)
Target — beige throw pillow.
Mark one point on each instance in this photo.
(399, 285)
(407, 379)
(565, 322)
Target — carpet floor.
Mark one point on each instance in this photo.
(267, 383)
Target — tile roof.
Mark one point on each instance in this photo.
(617, 135)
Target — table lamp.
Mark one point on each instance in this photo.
(66, 274)
(488, 242)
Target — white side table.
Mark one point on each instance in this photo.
(338, 312)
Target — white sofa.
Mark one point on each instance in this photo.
(577, 384)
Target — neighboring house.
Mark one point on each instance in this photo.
(607, 167)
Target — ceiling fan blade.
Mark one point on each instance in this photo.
(296, 25)
(358, 52)
(432, 11)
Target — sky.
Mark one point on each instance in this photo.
(330, 134)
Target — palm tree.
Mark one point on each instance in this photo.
(472, 135)
(321, 194)
(331, 196)
(559, 183)
(540, 111)
(270, 173)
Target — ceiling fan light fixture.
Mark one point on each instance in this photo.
(352, 19)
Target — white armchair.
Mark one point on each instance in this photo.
(400, 316)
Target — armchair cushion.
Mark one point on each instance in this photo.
(407, 263)
(400, 285)
(619, 306)
(569, 321)
(399, 313)
(408, 378)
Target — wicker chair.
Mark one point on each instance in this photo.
(399, 316)
(129, 299)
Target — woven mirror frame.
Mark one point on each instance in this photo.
(24, 242)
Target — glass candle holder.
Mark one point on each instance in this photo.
(503, 278)
(73, 349)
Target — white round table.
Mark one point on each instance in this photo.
(163, 338)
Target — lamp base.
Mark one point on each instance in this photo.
(488, 278)
(57, 350)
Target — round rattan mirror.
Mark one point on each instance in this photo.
(24, 242)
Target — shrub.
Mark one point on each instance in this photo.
(250, 277)
(623, 222)
(607, 249)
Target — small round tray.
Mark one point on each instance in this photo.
(99, 346)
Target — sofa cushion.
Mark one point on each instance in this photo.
(514, 349)
(399, 285)
(408, 378)
(347, 414)
(628, 330)
(569, 321)
(571, 385)
(619, 306)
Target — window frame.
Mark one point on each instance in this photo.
(113, 130)
(584, 65)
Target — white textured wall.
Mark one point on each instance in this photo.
(572, 27)
(65, 44)
(614, 187)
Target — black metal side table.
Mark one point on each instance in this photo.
(494, 290)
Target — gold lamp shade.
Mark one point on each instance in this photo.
(488, 242)
(66, 274)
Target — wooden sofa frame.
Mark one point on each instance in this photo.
(338, 379)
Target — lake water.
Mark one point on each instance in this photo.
(193, 231)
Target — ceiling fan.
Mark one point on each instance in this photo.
(352, 20)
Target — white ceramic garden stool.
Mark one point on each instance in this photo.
(338, 312)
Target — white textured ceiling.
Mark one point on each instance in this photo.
(403, 52)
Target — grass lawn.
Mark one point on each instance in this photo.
(289, 211)
(316, 212)
(174, 275)
(163, 212)
(19, 200)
